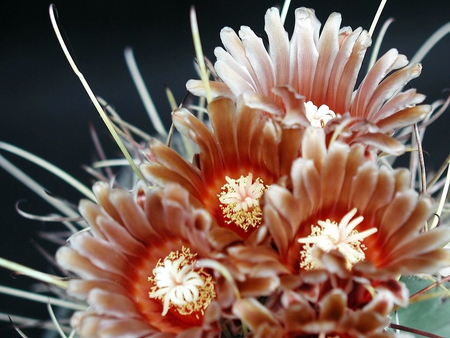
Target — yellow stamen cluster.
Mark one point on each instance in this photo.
(329, 235)
(318, 117)
(179, 285)
(240, 201)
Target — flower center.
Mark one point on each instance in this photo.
(240, 201)
(180, 286)
(329, 235)
(318, 117)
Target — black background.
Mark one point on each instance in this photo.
(44, 109)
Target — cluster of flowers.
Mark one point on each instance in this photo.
(285, 223)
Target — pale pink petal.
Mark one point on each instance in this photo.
(328, 47)
(333, 173)
(132, 215)
(405, 117)
(339, 66)
(100, 252)
(98, 326)
(379, 71)
(278, 45)
(390, 86)
(367, 178)
(253, 313)
(80, 288)
(233, 78)
(313, 146)
(217, 88)
(71, 260)
(259, 59)
(235, 48)
(120, 237)
(347, 81)
(111, 304)
(398, 102)
(304, 54)
(382, 142)
(258, 101)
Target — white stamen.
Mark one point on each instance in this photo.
(244, 193)
(176, 285)
(240, 199)
(328, 235)
(182, 285)
(318, 117)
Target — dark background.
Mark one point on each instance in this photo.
(44, 109)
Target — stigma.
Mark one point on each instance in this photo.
(239, 201)
(318, 117)
(180, 285)
(329, 235)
